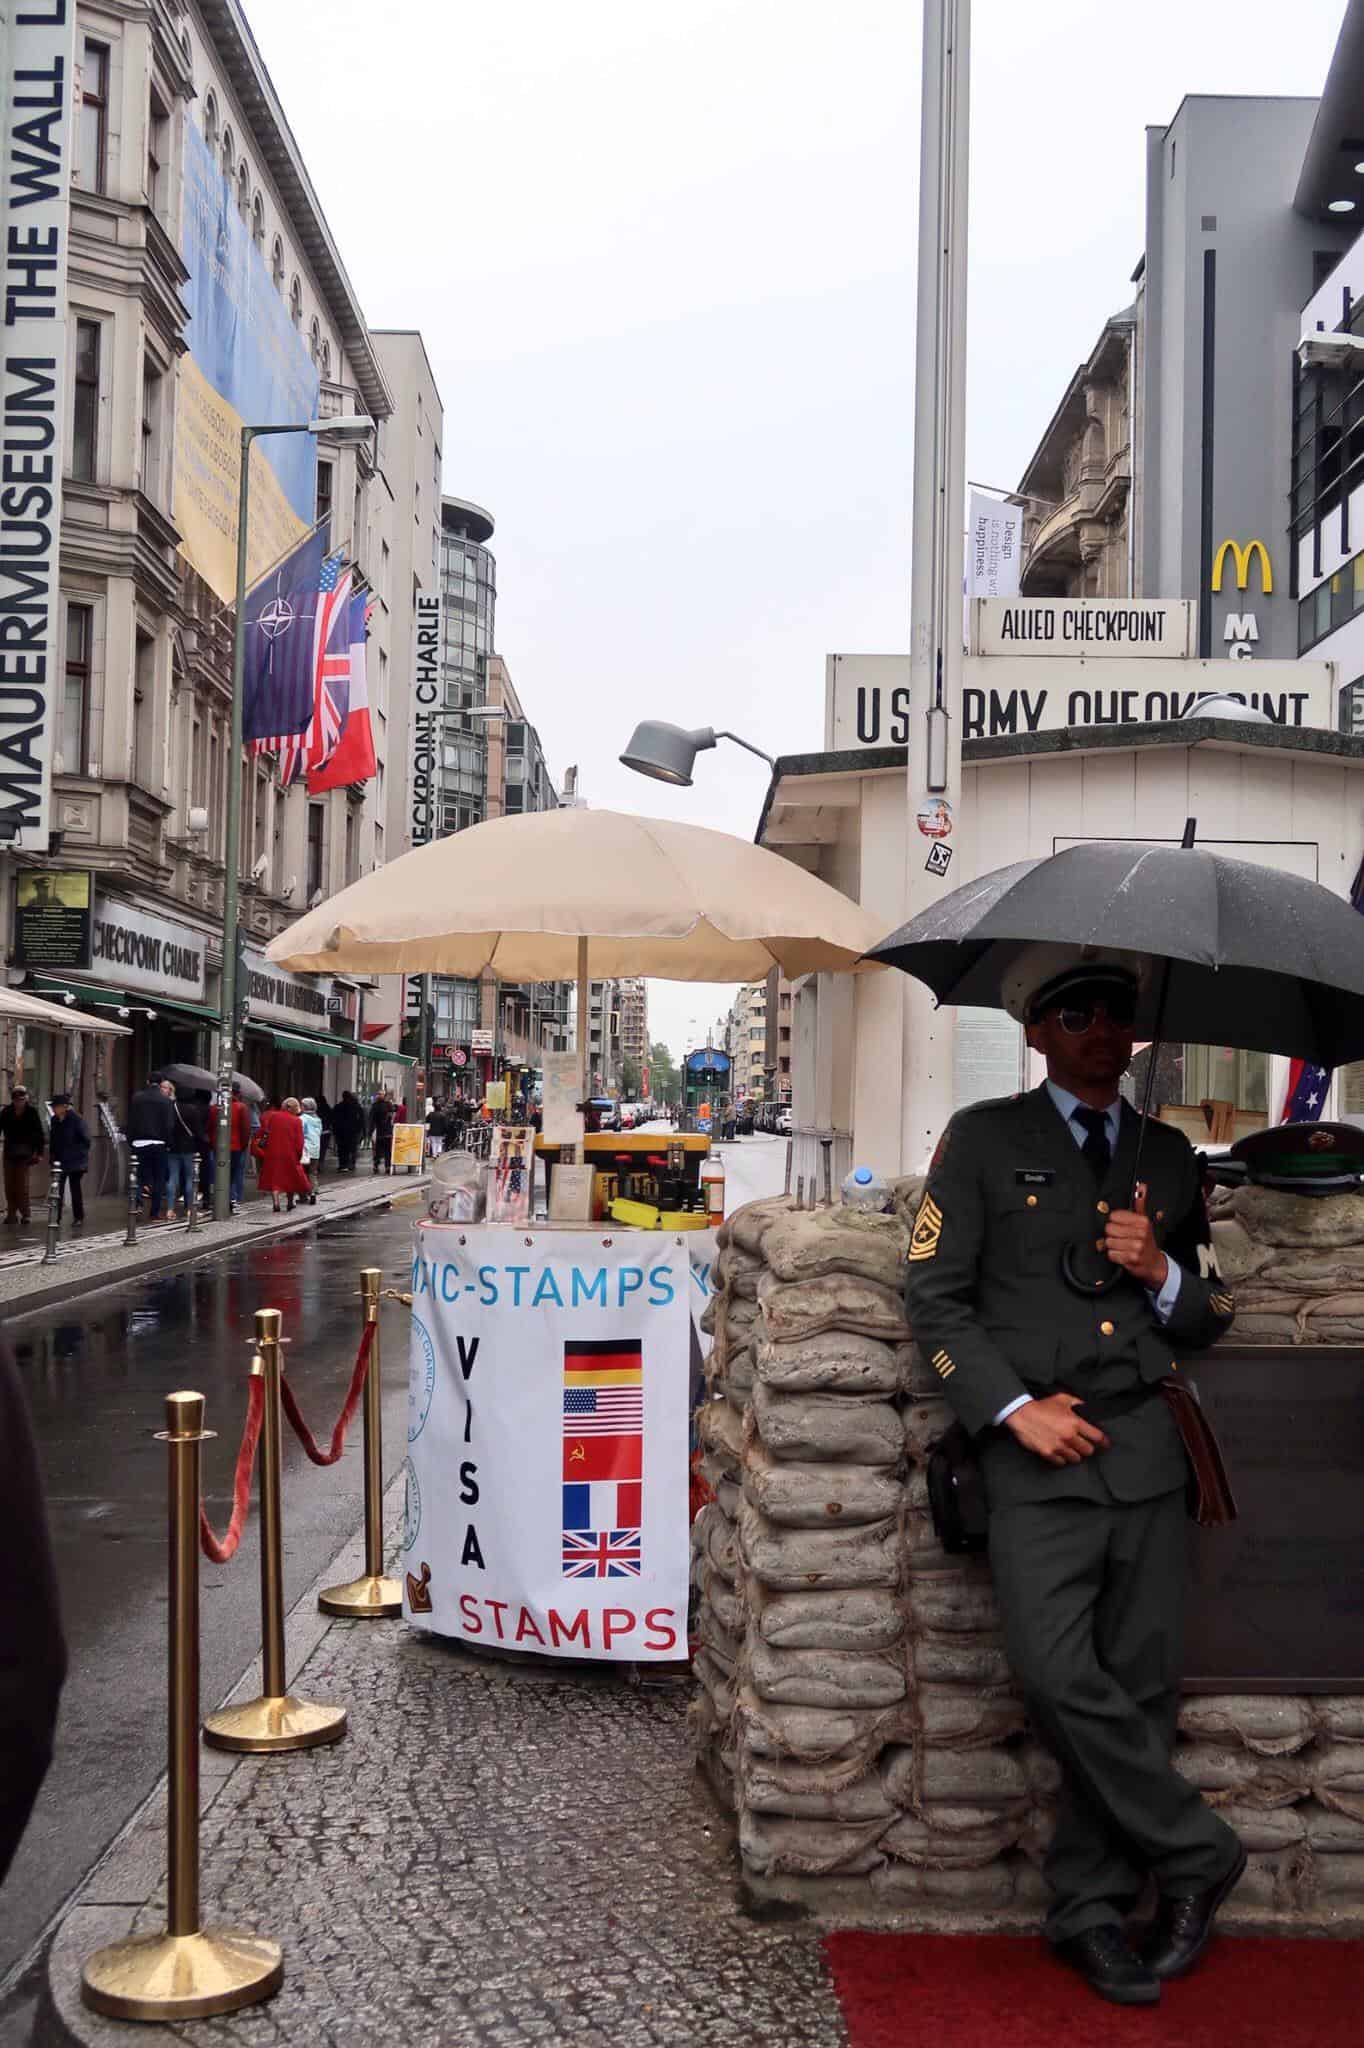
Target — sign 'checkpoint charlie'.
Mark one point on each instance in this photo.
(548, 1404)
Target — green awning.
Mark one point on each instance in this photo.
(383, 1058)
(328, 1047)
(125, 999)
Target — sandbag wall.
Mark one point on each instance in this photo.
(853, 1709)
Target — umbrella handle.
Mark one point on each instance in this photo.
(1091, 1288)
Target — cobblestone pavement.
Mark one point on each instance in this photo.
(496, 1854)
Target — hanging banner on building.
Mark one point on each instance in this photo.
(37, 73)
(246, 363)
(994, 546)
(546, 1504)
(426, 708)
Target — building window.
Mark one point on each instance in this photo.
(258, 222)
(315, 340)
(211, 123)
(153, 387)
(85, 406)
(229, 154)
(326, 362)
(296, 301)
(158, 126)
(94, 124)
(144, 707)
(352, 869)
(244, 189)
(317, 829)
(277, 265)
(324, 491)
(80, 635)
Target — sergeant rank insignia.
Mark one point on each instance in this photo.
(927, 1230)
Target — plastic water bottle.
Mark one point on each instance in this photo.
(864, 1189)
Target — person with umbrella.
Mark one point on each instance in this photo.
(1083, 1464)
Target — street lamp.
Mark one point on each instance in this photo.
(668, 752)
(346, 427)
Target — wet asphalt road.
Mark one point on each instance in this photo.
(96, 1375)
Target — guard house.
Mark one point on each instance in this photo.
(1278, 786)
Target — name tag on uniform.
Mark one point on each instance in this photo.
(1034, 1177)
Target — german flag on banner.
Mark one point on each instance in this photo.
(609, 1362)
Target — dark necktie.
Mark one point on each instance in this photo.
(1096, 1148)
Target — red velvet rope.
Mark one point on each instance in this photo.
(220, 1552)
(343, 1420)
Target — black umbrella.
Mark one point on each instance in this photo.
(181, 1075)
(1247, 956)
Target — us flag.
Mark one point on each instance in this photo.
(603, 1459)
(1305, 1096)
(313, 748)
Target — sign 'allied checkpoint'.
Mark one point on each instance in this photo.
(546, 1506)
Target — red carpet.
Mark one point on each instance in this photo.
(991, 1991)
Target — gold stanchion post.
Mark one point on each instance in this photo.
(189, 1972)
(372, 1596)
(278, 1719)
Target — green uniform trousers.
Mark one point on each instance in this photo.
(1092, 1598)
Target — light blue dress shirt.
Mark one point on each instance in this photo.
(1162, 1301)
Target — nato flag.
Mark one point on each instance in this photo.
(277, 690)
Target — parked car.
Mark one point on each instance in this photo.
(783, 1124)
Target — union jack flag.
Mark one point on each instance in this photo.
(312, 749)
(601, 1554)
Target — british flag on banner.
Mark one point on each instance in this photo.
(311, 750)
(603, 1459)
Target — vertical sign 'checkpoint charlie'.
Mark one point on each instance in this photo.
(37, 79)
(426, 695)
(547, 1495)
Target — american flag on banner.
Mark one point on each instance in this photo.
(603, 1399)
(313, 748)
(1305, 1097)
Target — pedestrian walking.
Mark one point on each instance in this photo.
(348, 1127)
(33, 1659)
(382, 1116)
(281, 1154)
(69, 1148)
(186, 1148)
(239, 1141)
(21, 1131)
(151, 1127)
(312, 1143)
(1083, 1464)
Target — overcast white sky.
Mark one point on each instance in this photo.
(663, 260)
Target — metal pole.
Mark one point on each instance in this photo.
(276, 1720)
(134, 1193)
(826, 1146)
(227, 981)
(188, 1972)
(371, 1596)
(54, 1212)
(786, 1184)
(929, 1077)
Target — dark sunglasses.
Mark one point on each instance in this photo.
(1077, 1018)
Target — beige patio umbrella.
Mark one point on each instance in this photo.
(27, 1009)
(551, 895)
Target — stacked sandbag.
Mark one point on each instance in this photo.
(1295, 1264)
(854, 1700)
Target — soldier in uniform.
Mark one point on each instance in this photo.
(1083, 1465)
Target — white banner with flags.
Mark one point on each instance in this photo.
(547, 1488)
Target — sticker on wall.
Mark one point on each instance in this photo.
(939, 859)
(935, 817)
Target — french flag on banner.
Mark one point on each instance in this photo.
(1307, 1085)
(352, 758)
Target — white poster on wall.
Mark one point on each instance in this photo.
(562, 1091)
(547, 1485)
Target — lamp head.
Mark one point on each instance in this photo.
(346, 426)
(666, 752)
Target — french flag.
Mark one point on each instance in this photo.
(352, 758)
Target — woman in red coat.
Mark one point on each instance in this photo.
(281, 1168)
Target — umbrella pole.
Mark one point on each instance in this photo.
(584, 1022)
(1157, 1042)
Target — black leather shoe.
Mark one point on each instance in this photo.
(1182, 1928)
(1102, 1957)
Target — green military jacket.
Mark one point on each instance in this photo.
(1008, 1191)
